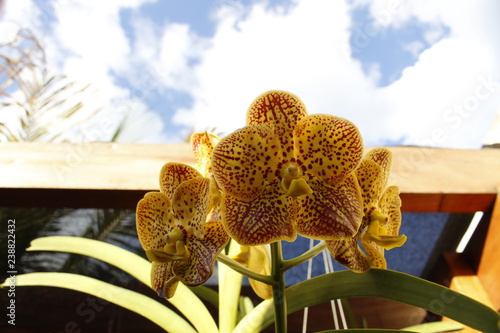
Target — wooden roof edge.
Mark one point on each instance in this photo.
(428, 177)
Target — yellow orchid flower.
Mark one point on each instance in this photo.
(176, 230)
(288, 172)
(203, 144)
(257, 259)
(381, 220)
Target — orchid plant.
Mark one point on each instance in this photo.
(286, 173)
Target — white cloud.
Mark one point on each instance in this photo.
(179, 47)
(414, 47)
(21, 12)
(434, 34)
(300, 51)
(438, 93)
(304, 49)
(446, 75)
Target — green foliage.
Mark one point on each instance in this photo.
(384, 284)
(184, 300)
(143, 305)
(435, 327)
(375, 283)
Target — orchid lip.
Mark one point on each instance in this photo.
(298, 187)
(294, 181)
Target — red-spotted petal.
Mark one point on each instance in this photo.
(330, 212)
(376, 254)
(203, 252)
(347, 252)
(328, 147)
(153, 220)
(246, 161)
(369, 176)
(280, 110)
(173, 174)
(390, 205)
(383, 157)
(163, 280)
(263, 220)
(203, 144)
(190, 204)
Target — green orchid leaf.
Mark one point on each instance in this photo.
(398, 287)
(207, 294)
(127, 261)
(383, 284)
(229, 292)
(257, 319)
(435, 327)
(362, 330)
(143, 305)
(184, 300)
(245, 306)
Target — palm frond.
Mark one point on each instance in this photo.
(48, 106)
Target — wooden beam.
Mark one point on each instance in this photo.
(447, 171)
(97, 166)
(89, 174)
(70, 198)
(466, 282)
(489, 265)
(432, 202)
(464, 279)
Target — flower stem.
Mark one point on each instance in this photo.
(280, 313)
(245, 271)
(287, 264)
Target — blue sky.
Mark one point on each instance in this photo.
(387, 49)
(419, 73)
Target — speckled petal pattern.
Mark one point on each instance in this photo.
(390, 205)
(281, 111)
(369, 176)
(203, 252)
(383, 157)
(203, 143)
(190, 204)
(173, 174)
(376, 254)
(347, 252)
(262, 221)
(163, 280)
(154, 220)
(330, 212)
(246, 161)
(328, 147)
